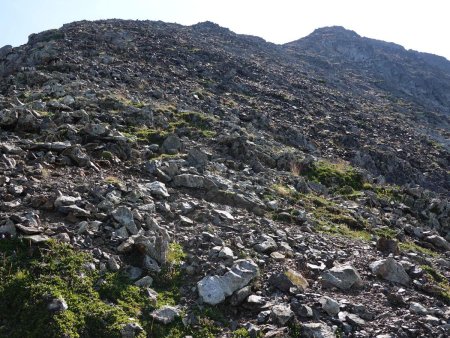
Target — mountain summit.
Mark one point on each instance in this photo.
(160, 180)
(418, 77)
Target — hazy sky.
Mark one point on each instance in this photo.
(420, 25)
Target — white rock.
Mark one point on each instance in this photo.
(157, 188)
(343, 277)
(166, 314)
(418, 308)
(390, 270)
(329, 305)
(214, 289)
(281, 314)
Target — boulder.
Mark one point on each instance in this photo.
(390, 270)
(343, 277)
(214, 289)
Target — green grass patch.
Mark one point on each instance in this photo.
(413, 247)
(99, 305)
(30, 276)
(340, 176)
(385, 232)
(440, 280)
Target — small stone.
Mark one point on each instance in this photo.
(317, 330)
(145, 281)
(130, 330)
(133, 272)
(113, 264)
(431, 320)
(124, 216)
(166, 314)
(240, 295)
(277, 256)
(150, 264)
(355, 320)
(37, 238)
(157, 188)
(263, 316)
(172, 144)
(255, 302)
(186, 221)
(288, 281)
(266, 244)
(418, 308)
(57, 305)
(281, 314)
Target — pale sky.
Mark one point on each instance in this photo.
(419, 25)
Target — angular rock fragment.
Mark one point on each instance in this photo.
(343, 277)
(329, 305)
(390, 270)
(157, 188)
(281, 314)
(214, 289)
(124, 216)
(317, 330)
(166, 314)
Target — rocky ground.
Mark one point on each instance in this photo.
(167, 181)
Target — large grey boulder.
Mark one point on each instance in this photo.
(343, 277)
(390, 270)
(214, 289)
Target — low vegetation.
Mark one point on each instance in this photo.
(98, 304)
(340, 176)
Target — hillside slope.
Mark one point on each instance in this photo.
(161, 180)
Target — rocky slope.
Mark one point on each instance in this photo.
(165, 181)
